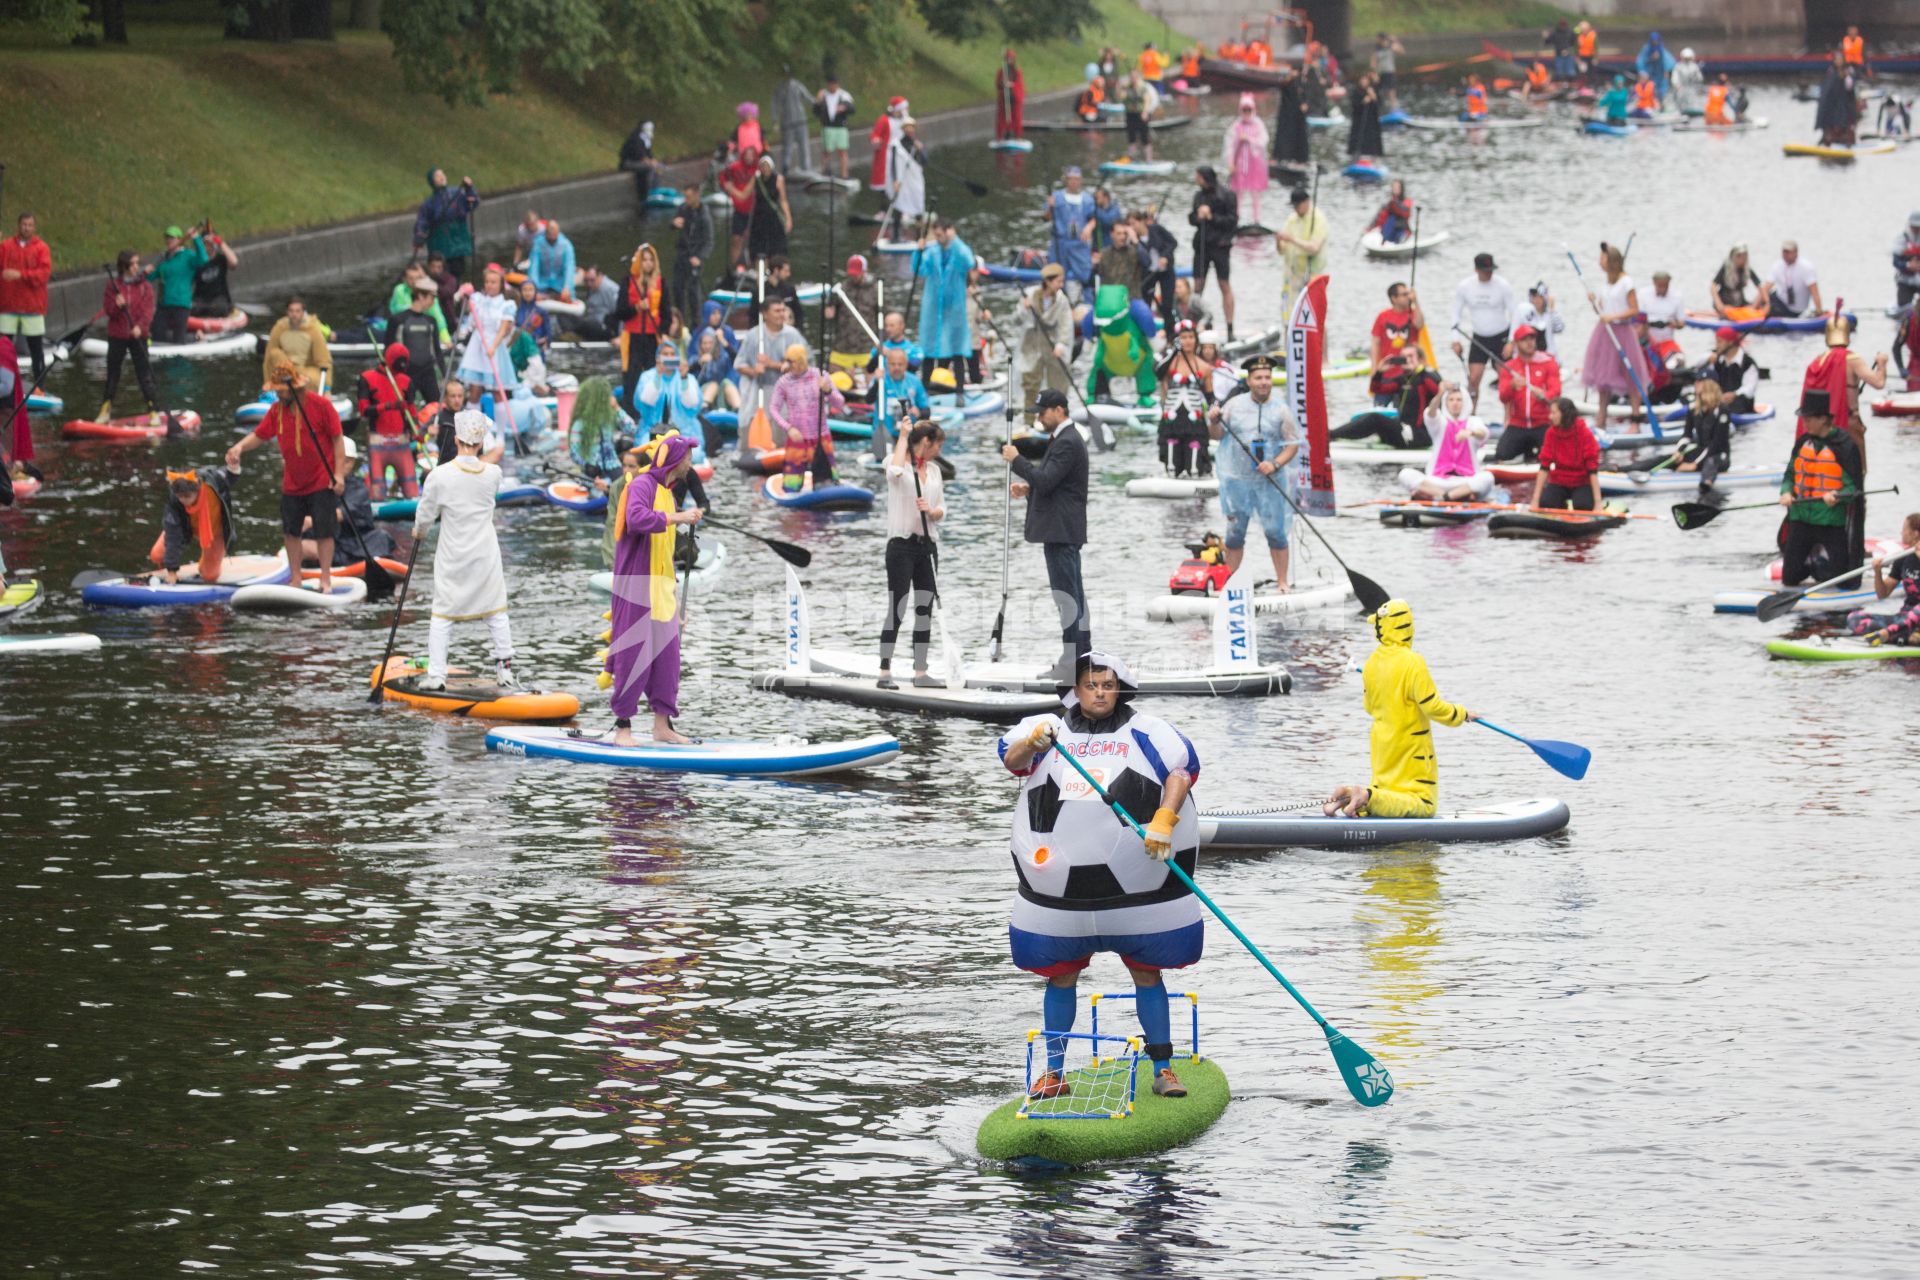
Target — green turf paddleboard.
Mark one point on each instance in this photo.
(1157, 1124)
(1839, 649)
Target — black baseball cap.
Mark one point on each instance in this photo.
(1050, 399)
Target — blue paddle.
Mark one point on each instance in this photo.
(1368, 1081)
(1568, 759)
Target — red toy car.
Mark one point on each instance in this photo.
(1197, 576)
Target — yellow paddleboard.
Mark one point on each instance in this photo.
(1836, 153)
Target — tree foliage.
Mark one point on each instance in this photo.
(56, 19)
(1016, 20)
(462, 49)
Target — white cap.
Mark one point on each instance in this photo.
(470, 426)
(1209, 337)
(1686, 53)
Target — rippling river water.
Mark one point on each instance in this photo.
(300, 987)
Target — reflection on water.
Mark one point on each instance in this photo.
(299, 985)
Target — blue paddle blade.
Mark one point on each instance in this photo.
(1370, 1083)
(1568, 759)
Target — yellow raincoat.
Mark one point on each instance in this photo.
(1401, 698)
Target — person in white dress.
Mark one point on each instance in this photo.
(468, 582)
(906, 180)
(486, 364)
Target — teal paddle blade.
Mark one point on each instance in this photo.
(1370, 1083)
(1569, 759)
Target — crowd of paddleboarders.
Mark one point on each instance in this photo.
(458, 373)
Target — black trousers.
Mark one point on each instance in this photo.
(170, 324)
(1559, 497)
(1519, 442)
(909, 577)
(686, 296)
(118, 349)
(1070, 595)
(1816, 551)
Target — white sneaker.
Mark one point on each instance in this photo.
(503, 676)
(430, 684)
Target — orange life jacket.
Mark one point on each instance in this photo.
(1476, 101)
(1190, 66)
(1717, 105)
(1644, 98)
(1259, 54)
(1231, 51)
(1854, 50)
(1589, 41)
(1152, 65)
(1537, 75)
(1816, 471)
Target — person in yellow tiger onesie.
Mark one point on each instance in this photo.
(1404, 704)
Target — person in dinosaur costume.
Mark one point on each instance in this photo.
(1121, 330)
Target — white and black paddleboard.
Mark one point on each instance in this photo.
(1250, 827)
(781, 757)
(1215, 681)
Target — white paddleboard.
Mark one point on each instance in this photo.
(70, 642)
(277, 597)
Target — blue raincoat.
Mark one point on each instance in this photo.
(1656, 63)
(944, 330)
(1068, 249)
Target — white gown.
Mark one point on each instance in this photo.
(468, 581)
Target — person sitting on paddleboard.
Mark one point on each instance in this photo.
(1614, 103)
(1569, 476)
(1822, 481)
(1403, 387)
(468, 582)
(797, 409)
(1736, 289)
(1904, 627)
(896, 393)
(1400, 696)
(1529, 384)
(915, 507)
(1087, 882)
(198, 512)
(1453, 473)
(1706, 442)
(1544, 318)
(1395, 219)
(1733, 369)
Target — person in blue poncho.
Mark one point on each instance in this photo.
(550, 263)
(1656, 64)
(945, 337)
(1069, 209)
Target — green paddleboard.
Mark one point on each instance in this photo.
(1839, 649)
(1157, 1124)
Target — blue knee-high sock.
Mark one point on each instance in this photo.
(1057, 1012)
(1150, 1003)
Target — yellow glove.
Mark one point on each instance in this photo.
(1040, 737)
(1160, 834)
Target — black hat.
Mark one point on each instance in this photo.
(1483, 262)
(1816, 404)
(1298, 196)
(1257, 363)
(1050, 399)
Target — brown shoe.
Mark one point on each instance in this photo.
(1167, 1085)
(1049, 1085)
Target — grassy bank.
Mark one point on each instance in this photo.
(108, 146)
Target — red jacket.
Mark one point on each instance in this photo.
(1542, 373)
(26, 296)
(138, 311)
